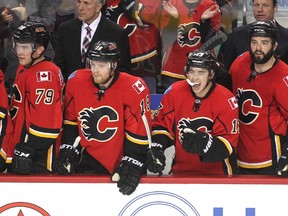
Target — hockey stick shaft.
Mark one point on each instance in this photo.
(145, 121)
(76, 142)
(214, 41)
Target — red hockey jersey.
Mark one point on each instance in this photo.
(3, 108)
(188, 35)
(263, 114)
(218, 115)
(109, 122)
(143, 34)
(5, 122)
(36, 105)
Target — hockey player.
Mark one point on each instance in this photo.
(36, 102)
(260, 81)
(106, 108)
(198, 117)
(5, 125)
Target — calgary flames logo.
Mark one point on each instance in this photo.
(205, 124)
(99, 123)
(188, 34)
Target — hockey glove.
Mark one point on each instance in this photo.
(22, 159)
(282, 166)
(156, 160)
(67, 158)
(129, 6)
(2, 164)
(127, 175)
(196, 142)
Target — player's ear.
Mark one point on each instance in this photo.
(275, 45)
(113, 65)
(211, 74)
(40, 50)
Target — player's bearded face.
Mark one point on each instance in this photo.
(101, 72)
(200, 80)
(261, 49)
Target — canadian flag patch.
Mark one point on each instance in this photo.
(286, 80)
(233, 103)
(43, 76)
(138, 86)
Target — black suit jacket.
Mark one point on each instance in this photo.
(238, 43)
(68, 46)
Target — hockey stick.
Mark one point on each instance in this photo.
(214, 41)
(76, 142)
(67, 165)
(155, 160)
(116, 176)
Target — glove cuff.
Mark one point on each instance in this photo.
(24, 150)
(70, 153)
(129, 6)
(69, 147)
(133, 162)
(209, 144)
(157, 146)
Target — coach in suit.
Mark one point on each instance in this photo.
(239, 38)
(71, 34)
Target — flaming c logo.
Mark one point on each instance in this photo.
(20, 208)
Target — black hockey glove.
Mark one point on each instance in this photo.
(129, 7)
(67, 158)
(156, 160)
(196, 142)
(282, 166)
(22, 159)
(2, 164)
(127, 175)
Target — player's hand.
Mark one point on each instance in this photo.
(196, 141)
(156, 160)
(171, 9)
(210, 12)
(67, 158)
(20, 12)
(128, 175)
(6, 15)
(22, 159)
(282, 166)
